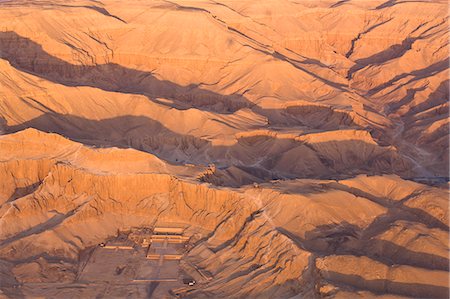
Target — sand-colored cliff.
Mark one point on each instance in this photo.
(303, 145)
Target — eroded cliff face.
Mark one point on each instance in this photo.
(237, 67)
(274, 240)
(288, 138)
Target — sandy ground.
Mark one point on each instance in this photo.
(116, 273)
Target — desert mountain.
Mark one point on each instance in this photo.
(301, 145)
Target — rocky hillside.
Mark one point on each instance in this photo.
(303, 143)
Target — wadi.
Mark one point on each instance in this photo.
(224, 149)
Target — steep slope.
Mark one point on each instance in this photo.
(288, 138)
(80, 201)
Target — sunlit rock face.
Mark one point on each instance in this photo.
(300, 146)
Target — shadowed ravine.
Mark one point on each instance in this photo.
(151, 136)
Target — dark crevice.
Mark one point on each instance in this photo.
(23, 191)
(358, 37)
(385, 286)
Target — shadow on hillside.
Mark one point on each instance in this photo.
(394, 207)
(385, 286)
(390, 53)
(148, 135)
(30, 57)
(271, 157)
(416, 75)
(346, 238)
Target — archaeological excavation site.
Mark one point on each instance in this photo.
(274, 149)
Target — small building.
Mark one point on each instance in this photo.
(189, 281)
(168, 230)
(141, 236)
